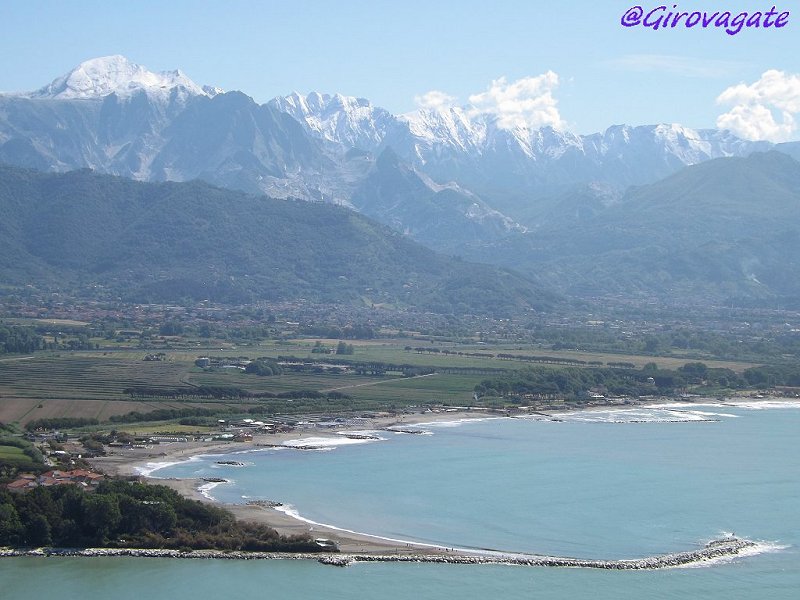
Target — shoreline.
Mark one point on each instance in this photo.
(142, 463)
(138, 462)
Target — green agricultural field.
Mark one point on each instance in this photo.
(286, 382)
(15, 458)
(80, 377)
(393, 351)
(91, 384)
(12, 453)
(164, 427)
(426, 389)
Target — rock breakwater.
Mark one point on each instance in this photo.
(722, 548)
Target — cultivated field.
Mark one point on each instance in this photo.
(92, 384)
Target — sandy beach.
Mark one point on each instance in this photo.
(132, 462)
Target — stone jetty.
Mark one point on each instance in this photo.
(727, 547)
(401, 430)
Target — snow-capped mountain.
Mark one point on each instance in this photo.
(115, 116)
(517, 170)
(462, 174)
(100, 77)
(352, 122)
(546, 201)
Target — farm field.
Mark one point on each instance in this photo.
(76, 376)
(286, 382)
(91, 384)
(11, 456)
(12, 453)
(392, 351)
(88, 385)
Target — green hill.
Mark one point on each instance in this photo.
(89, 233)
(724, 230)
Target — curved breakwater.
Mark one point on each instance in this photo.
(716, 549)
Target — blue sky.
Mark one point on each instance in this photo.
(394, 52)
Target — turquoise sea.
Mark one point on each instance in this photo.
(600, 484)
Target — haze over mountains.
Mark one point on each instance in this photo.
(552, 204)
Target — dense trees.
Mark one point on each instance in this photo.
(127, 514)
(60, 423)
(264, 367)
(342, 348)
(15, 339)
(572, 382)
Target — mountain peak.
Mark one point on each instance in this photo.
(100, 77)
(348, 120)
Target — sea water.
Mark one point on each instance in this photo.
(598, 484)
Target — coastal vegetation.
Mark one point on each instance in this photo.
(576, 383)
(123, 514)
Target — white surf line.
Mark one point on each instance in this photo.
(684, 559)
(205, 489)
(292, 512)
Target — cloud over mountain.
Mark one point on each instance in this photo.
(756, 106)
(435, 100)
(525, 103)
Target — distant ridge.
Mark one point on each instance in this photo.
(124, 119)
(542, 201)
(111, 237)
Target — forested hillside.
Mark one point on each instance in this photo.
(108, 236)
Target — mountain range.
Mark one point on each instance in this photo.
(455, 179)
(114, 238)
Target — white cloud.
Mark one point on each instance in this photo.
(435, 100)
(526, 102)
(756, 106)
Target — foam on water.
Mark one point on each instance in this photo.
(148, 469)
(205, 489)
(291, 511)
(455, 422)
(321, 443)
(665, 413)
(759, 547)
(769, 404)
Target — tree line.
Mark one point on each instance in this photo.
(60, 423)
(19, 340)
(122, 514)
(572, 382)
